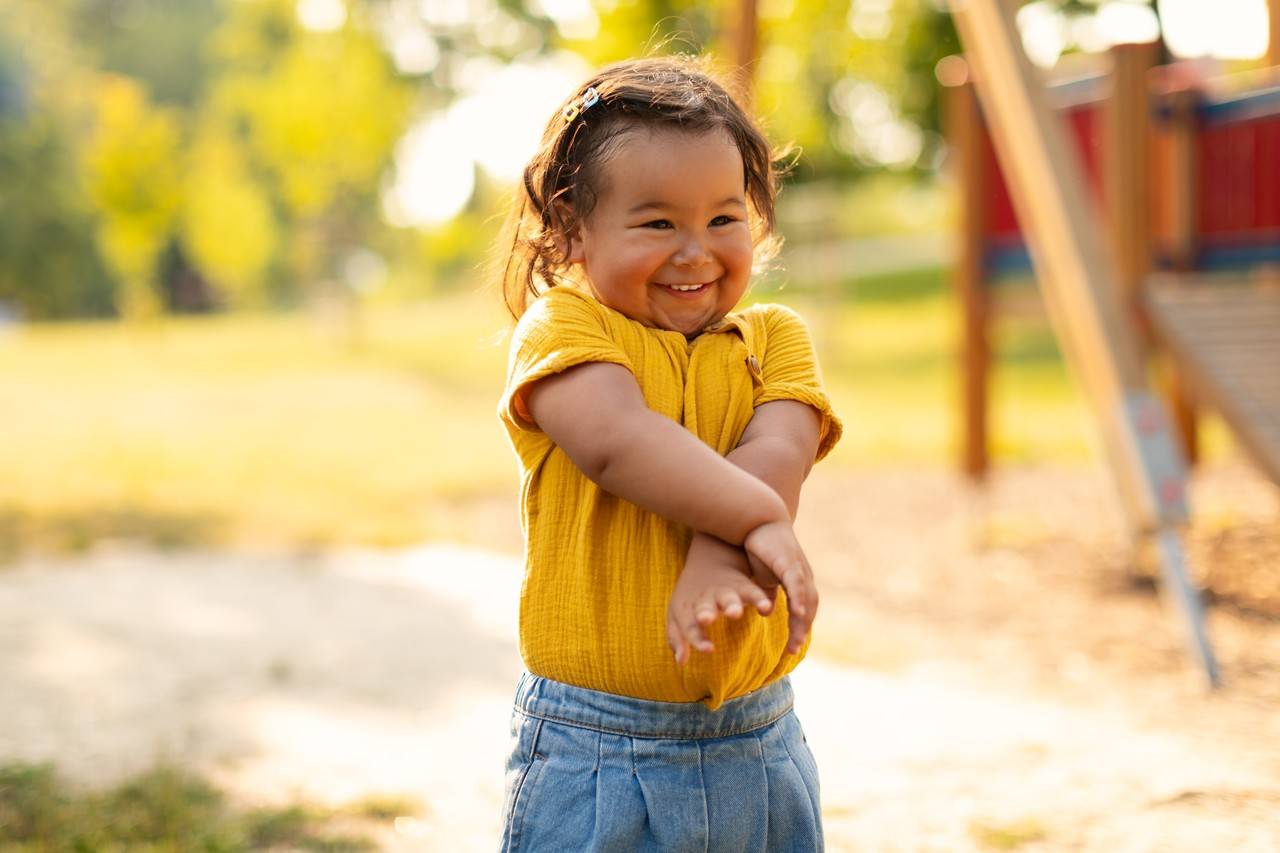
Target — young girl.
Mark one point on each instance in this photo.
(663, 440)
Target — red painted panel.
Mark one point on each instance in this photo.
(1267, 186)
(1084, 123)
(1209, 145)
(1002, 222)
(1239, 181)
(1242, 209)
(1084, 129)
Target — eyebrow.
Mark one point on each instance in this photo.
(661, 205)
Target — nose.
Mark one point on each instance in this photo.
(692, 253)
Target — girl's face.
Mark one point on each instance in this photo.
(668, 243)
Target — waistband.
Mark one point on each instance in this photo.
(623, 715)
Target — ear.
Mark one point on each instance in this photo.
(575, 253)
(568, 237)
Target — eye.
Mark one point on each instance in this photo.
(657, 223)
(723, 220)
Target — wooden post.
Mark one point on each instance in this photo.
(746, 43)
(1126, 178)
(1183, 203)
(1273, 45)
(966, 135)
(1047, 182)
(1045, 179)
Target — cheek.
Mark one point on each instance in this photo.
(639, 261)
(621, 276)
(738, 253)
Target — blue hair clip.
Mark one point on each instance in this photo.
(589, 99)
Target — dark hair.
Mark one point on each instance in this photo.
(563, 180)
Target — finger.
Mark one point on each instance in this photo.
(706, 609)
(797, 632)
(676, 640)
(799, 625)
(753, 595)
(765, 579)
(794, 579)
(695, 636)
(797, 628)
(729, 602)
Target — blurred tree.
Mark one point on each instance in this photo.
(316, 114)
(49, 265)
(13, 83)
(227, 223)
(131, 165)
(850, 83)
(158, 42)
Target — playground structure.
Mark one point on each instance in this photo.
(1098, 300)
(1186, 178)
(1185, 174)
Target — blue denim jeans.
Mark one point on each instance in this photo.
(595, 771)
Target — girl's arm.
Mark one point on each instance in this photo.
(778, 446)
(596, 414)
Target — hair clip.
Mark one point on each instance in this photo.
(589, 99)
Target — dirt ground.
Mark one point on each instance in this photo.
(988, 673)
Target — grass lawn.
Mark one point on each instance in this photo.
(280, 431)
(167, 809)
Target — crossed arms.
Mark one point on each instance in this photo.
(741, 506)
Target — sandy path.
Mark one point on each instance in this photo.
(983, 671)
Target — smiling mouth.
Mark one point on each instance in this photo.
(685, 288)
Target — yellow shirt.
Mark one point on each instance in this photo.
(599, 570)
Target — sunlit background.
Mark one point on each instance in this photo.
(243, 245)
(276, 215)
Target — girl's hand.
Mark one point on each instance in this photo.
(715, 582)
(776, 557)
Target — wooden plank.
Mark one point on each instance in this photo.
(1246, 331)
(1234, 325)
(1247, 352)
(1238, 373)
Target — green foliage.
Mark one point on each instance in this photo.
(928, 36)
(131, 164)
(228, 223)
(225, 133)
(218, 132)
(833, 78)
(642, 27)
(163, 809)
(323, 119)
(305, 121)
(49, 265)
(159, 43)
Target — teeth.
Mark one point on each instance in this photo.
(685, 287)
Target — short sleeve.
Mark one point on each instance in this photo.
(789, 370)
(560, 330)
